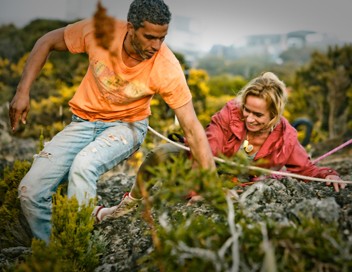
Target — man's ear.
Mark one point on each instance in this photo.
(130, 27)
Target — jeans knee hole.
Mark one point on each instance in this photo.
(43, 154)
(22, 191)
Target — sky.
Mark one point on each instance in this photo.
(213, 22)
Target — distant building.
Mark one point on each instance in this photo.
(277, 43)
(272, 45)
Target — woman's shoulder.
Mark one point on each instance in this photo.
(233, 106)
(287, 130)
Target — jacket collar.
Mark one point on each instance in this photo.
(282, 136)
(236, 119)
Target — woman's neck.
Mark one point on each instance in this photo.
(260, 133)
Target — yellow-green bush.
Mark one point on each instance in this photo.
(71, 246)
(13, 227)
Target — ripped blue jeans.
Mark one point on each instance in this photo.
(82, 151)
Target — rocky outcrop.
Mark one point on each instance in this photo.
(282, 200)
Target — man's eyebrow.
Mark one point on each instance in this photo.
(150, 36)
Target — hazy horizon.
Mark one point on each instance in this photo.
(210, 22)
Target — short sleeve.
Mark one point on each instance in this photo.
(170, 81)
(76, 34)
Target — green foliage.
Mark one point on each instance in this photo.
(212, 64)
(179, 179)
(11, 43)
(49, 115)
(214, 104)
(41, 142)
(216, 234)
(198, 84)
(310, 245)
(12, 223)
(62, 70)
(226, 85)
(324, 85)
(7, 79)
(15, 42)
(248, 67)
(298, 55)
(72, 246)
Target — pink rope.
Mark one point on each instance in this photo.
(332, 151)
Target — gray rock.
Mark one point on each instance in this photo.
(126, 238)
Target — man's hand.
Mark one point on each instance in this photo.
(19, 108)
(337, 186)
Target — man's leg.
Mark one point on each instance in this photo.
(116, 142)
(48, 170)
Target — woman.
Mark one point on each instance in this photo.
(253, 123)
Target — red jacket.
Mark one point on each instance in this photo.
(226, 132)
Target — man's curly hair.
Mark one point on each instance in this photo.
(152, 11)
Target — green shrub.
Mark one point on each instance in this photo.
(216, 234)
(71, 246)
(13, 226)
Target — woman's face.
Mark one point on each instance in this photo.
(256, 114)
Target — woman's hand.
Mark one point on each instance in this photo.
(337, 186)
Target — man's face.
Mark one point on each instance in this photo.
(147, 40)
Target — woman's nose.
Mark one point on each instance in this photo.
(250, 118)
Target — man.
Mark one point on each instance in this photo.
(110, 107)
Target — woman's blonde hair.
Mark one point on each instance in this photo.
(270, 88)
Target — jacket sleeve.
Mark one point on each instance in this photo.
(300, 163)
(218, 129)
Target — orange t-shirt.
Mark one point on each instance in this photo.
(112, 91)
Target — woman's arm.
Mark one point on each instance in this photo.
(300, 163)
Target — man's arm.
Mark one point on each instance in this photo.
(20, 104)
(195, 135)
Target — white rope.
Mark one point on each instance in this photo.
(255, 168)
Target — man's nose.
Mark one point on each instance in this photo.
(156, 44)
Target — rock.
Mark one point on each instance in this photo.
(126, 236)
(282, 200)
(9, 256)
